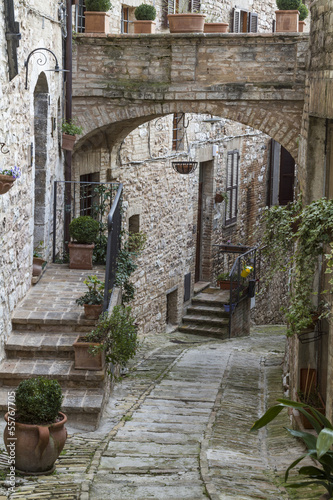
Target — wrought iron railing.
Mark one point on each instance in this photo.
(113, 246)
(82, 198)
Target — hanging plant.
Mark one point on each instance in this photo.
(295, 237)
(7, 178)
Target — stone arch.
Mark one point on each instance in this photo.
(41, 111)
(106, 124)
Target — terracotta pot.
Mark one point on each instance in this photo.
(144, 27)
(96, 22)
(216, 27)
(36, 447)
(83, 359)
(286, 21)
(68, 142)
(37, 266)
(225, 284)
(80, 256)
(186, 23)
(301, 26)
(6, 182)
(92, 311)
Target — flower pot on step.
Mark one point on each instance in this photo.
(37, 447)
(80, 256)
(92, 311)
(84, 360)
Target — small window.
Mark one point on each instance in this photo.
(134, 224)
(172, 308)
(244, 21)
(79, 17)
(124, 20)
(282, 176)
(178, 131)
(232, 186)
(88, 197)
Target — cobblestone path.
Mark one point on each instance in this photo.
(177, 428)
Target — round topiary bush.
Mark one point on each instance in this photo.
(145, 12)
(84, 229)
(288, 4)
(303, 12)
(38, 401)
(98, 5)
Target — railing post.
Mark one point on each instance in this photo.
(54, 219)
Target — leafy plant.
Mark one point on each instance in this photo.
(303, 12)
(84, 229)
(12, 171)
(38, 401)
(70, 128)
(145, 12)
(98, 5)
(126, 262)
(295, 237)
(100, 208)
(318, 447)
(39, 249)
(95, 294)
(288, 4)
(223, 277)
(117, 334)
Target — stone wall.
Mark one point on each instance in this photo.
(39, 27)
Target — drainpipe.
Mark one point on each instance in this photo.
(68, 154)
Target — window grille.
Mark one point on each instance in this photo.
(79, 17)
(178, 131)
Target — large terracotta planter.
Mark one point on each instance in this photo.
(68, 142)
(186, 23)
(6, 183)
(92, 311)
(80, 256)
(36, 447)
(84, 360)
(301, 26)
(96, 22)
(287, 21)
(216, 27)
(144, 27)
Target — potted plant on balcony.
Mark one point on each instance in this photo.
(114, 340)
(96, 18)
(35, 433)
(183, 21)
(214, 26)
(69, 132)
(287, 16)
(303, 14)
(83, 230)
(7, 178)
(145, 15)
(92, 300)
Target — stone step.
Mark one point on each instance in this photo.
(207, 310)
(209, 331)
(52, 322)
(83, 407)
(12, 371)
(205, 320)
(23, 344)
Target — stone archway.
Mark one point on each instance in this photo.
(41, 110)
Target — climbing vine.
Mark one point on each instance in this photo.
(295, 236)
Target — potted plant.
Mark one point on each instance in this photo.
(287, 16)
(318, 445)
(114, 340)
(227, 306)
(7, 178)
(35, 433)
(83, 230)
(38, 263)
(213, 26)
(224, 281)
(309, 394)
(92, 300)
(145, 15)
(96, 18)
(303, 14)
(183, 21)
(69, 132)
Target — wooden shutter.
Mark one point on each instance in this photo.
(236, 21)
(232, 186)
(287, 176)
(169, 7)
(253, 23)
(187, 287)
(194, 6)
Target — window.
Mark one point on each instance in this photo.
(178, 131)
(232, 186)
(134, 224)
(79, 17)
(88, 198)
(244, 21)
(282, 174)
(124, 19)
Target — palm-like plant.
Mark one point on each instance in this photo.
(318, 447)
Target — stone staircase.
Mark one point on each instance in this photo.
(41, 344)
(206, 315)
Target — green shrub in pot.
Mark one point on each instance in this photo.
(98, 5)
(288, 4)
(145, 12)
(84, 229)
(38, 401)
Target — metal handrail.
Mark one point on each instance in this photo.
(113, 245)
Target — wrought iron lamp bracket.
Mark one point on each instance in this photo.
(41, 62)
